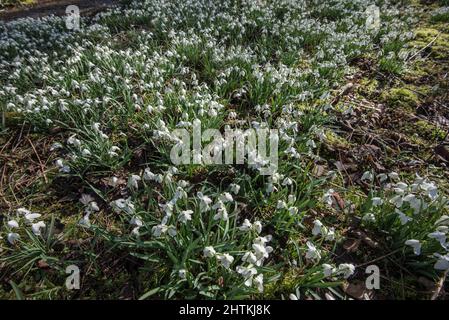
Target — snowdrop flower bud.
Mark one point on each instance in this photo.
(415, 244)
(226, 197)
(249, 257)
(13, 237)
(257, 226)
(281, 205)
(209, 252)
(293, 297)
(225, 259)
(330, 234)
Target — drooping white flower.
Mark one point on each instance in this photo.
(367, 176)
(30, 217)
(369, 217)
(185, 216)
(397, 200)
(312, 252)
(330, 234)
(261, 251)
(86, 199)
(249, 257)
(327, 269)
(246, 225)
(293, 296)
(439, 236)
(225, 259)
(226, 197)
(23, 211)
(317, 225)
(281, 205)
(36, 227)
(222, 214)
(247, 272)
(13, 224)
(287, 182)
(328, 197)
(376, 201)
(205, 202)
(403, 217)
(182, 273)
(415, 244)
(442, 263)
(133, 181)
(235, 188)
(258, 282)
(346, 269)
(13, 237)
(209, 252)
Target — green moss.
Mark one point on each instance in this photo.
(368, 87)
(428, 130)
(401, 97)
(335, 140)
(437, 42)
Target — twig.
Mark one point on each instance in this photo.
(39, 159)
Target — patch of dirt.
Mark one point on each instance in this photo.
(56, 7)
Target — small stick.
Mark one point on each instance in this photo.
(39, 159)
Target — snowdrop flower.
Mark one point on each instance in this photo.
(369, 217)
(382, 177)
(23, 211)
(261, 251)
(185, 216)
(159, 230)
(13, 237)
(443, 220)
(328, 197)
(113, 181)
(414, 202)
(62, 167)
(330, 234)
(222, 214)
(403, 217)
(293, 211)
(393, 175)
(13, 224)
(376, 201)
(311, 144)
(205, 202)
(36, 227)
(209, 252)
(133, 181)
(249, 257)
(30, 217)
(182, 273)
(235, 188)
(367, 176)
(86, 199)
(293, 297)
(312, 252)
(287, 182)
(248, 273)
(439, 236)
(258, 282)
(257, 226)
(226, 197)
(281, 205)
(431, 189)
(327, 269)
(246, 225)
(415, 244)
(347, 269)
(397, 200)
(442, 262)
(225, 259)
(317, 225)
(85, 221)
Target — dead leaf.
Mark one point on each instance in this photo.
(351, 245)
